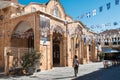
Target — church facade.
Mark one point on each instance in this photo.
(47, 29)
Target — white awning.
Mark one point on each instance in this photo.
(109, 50)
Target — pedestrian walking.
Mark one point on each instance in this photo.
(75, 65)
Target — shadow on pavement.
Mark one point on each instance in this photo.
(111, 73)
(3, 76)
(64, 77)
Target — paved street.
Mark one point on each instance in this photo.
(92, 71)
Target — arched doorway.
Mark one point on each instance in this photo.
(56, 54)
(56, 48)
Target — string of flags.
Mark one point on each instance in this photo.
(94, 11)
(104, 25)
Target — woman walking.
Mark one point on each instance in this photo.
(75, 65)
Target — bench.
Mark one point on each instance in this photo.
(16, 71)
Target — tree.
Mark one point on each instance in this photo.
(29, 59)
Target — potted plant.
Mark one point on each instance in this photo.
(28, 61)
(101, 56)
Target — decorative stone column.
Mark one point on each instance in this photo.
(72, 48)
(83, 52)
(94, 52)
(51, 51)
(76, 46)
(87, 52)
(65, 51)
(80, 50)
(37, 33)
(62, 53)
(70, 54)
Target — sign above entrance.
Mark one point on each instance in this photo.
(44, 27)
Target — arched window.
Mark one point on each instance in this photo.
(114, 41)
(106, 42)
(56, 12)
(33, 9)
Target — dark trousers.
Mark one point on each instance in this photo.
(76, 70)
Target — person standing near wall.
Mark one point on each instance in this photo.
(75, 65)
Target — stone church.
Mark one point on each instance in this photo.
(47, 29)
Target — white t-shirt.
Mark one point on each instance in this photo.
(75, 62)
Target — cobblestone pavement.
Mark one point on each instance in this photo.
(91, 71)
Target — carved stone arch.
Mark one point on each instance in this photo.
(58, 45)
(61, 7)
(51, 5)
(22, 35)
(58, 29)
(20, 24)
(78, 30)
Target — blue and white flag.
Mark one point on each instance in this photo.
(116, 2)
(88, 15)
(94, 12)
(100, 9)
(82, 15)
(115, 23)
(108, 5)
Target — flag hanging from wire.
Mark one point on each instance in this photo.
(77, 17)
(82, 15)
(88, 15)
(115, 23)
(116, 2)
(100, 9)
(108, 24)
(94, 12)
(108, 5)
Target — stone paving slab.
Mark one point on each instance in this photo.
(58, 73)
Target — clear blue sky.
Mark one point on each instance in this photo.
(75, 8)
